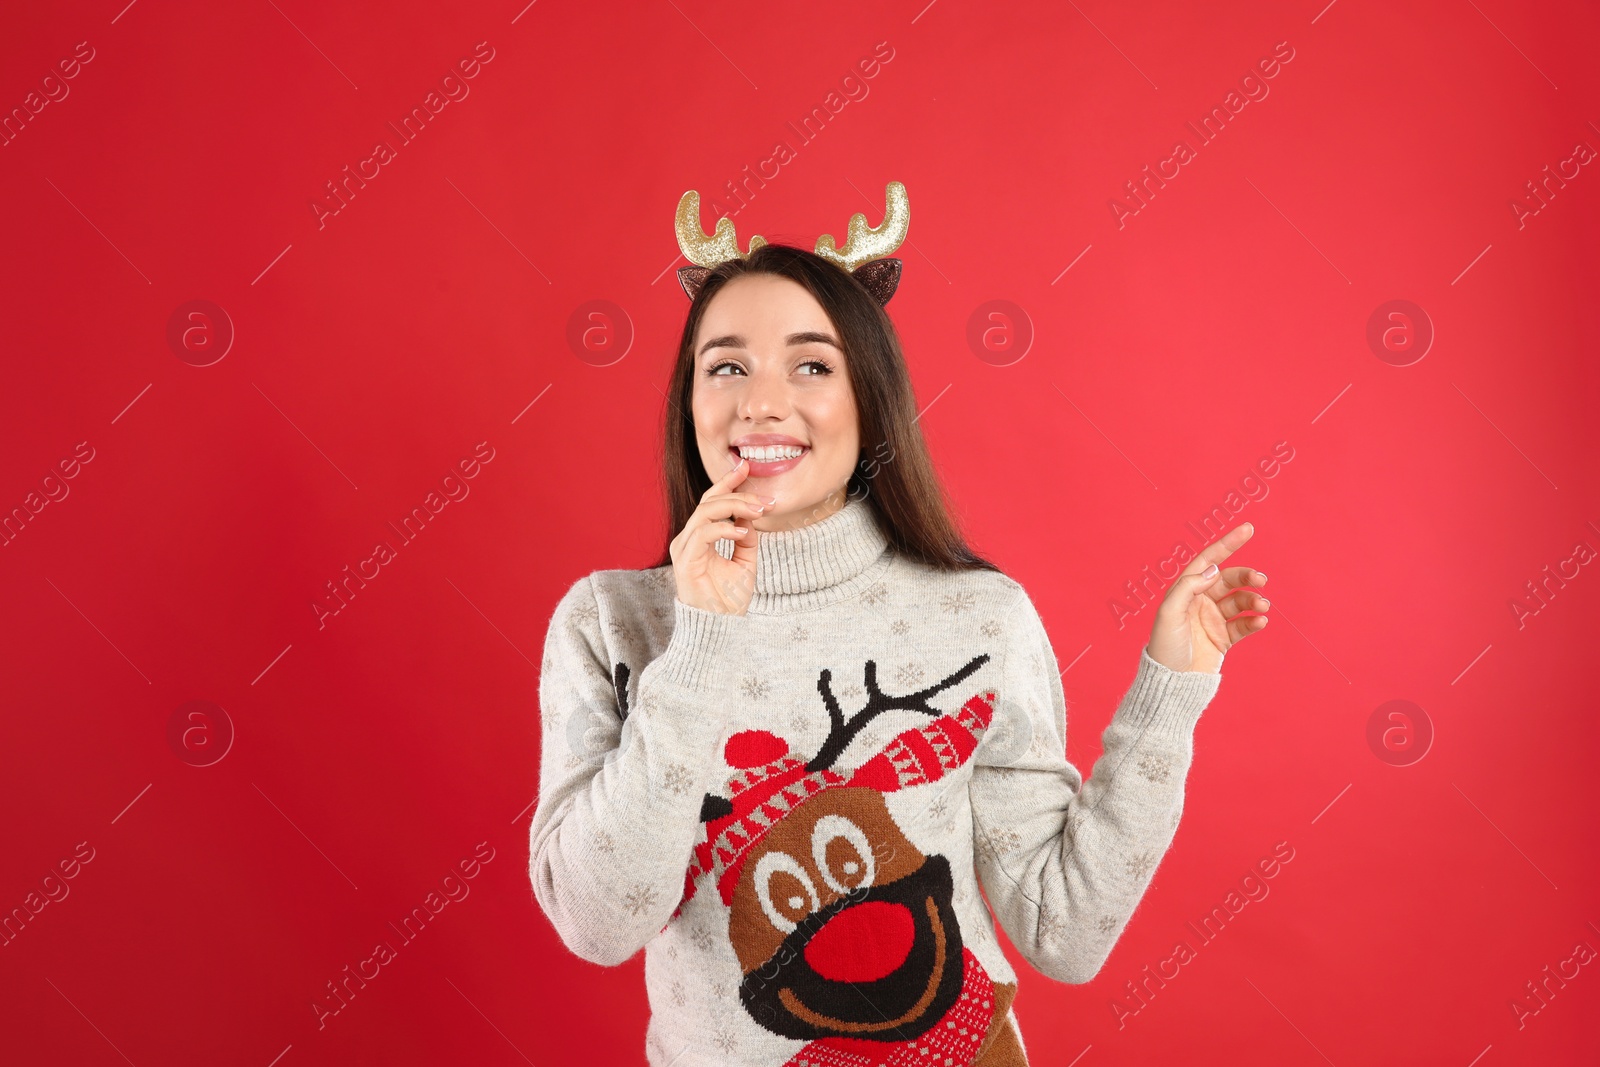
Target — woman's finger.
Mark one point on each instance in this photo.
(1241, 628)
(1236, 578)
(700, 538)
(1223, 547)
(716, 507)
(717, 531)
(738, 473)
(1238, 600)
(729, 507)
(1184, 589)
(693, 538)
(717, 512)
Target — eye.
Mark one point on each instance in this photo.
(843, 854)
(716, 368)
(785, 890)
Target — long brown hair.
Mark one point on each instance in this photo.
(895, 472)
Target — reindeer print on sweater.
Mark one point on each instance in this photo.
(812, 816)
(844, 930)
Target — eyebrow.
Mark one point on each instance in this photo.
(733, 340)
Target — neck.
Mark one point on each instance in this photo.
(817, 562)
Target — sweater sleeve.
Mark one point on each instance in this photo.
(1062, 863)
(622, 775)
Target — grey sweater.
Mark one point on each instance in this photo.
(792, 811)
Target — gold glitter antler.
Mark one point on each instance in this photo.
(720, 247)
(866, 253)
(863, 242)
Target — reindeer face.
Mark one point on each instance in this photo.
(842, 927)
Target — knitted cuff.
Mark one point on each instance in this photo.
(1166, 702)
(700, 641)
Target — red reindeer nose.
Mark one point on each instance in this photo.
(862, 943)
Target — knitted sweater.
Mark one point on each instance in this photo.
(792, 811)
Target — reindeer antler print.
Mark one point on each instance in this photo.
(841, 733)
(845, 930)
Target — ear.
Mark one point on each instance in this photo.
(691, 278)
(880, 276)
(715, 807)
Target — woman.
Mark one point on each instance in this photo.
(784, 759)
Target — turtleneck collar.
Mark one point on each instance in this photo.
(817, 563)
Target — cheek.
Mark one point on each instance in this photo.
(833, 416)
(702, 399)
(708, 412)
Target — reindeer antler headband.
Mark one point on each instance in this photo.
(863, 254)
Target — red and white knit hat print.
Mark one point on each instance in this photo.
(768, 783)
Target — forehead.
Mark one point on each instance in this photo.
(762, 305)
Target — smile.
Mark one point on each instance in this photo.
(766, 461)
(786, 993)
(800, 1011)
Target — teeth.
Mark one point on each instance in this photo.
(768, 453)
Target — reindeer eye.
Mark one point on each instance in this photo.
(839, 845)
(785, 890)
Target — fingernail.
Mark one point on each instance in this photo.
(1209, 571)
(1263, 575)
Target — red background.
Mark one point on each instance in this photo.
(375, 350)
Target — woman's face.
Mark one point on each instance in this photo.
(769, 371)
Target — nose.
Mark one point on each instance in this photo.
(764, 396)
(863, 943)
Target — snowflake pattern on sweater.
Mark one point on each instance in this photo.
(793, 810)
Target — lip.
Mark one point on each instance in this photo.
(766, 469)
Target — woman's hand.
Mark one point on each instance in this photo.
(705, 580)
(1202, 617)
